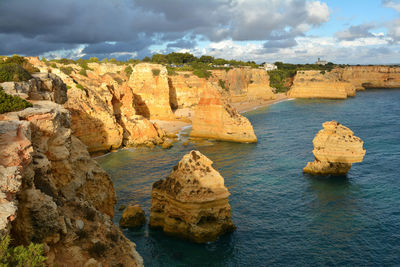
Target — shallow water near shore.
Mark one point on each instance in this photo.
(284, 217)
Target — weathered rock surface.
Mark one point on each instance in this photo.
(244, 84)
(149, 83)
(214, 118)
(105, 115)
(43, 86)
(314, 84)
(132, 217)
(52, 192)
(335, 150)
(192, 202)
(363, 77)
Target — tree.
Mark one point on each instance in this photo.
(146, 59)
(206, 59)
(159, 58)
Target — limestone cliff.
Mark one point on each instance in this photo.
(106, 113)
(216, 119)
(150, 83)
(192, 202)
(52, 192)
(244, 84)
(335, 150)
(316, 84)
(363, 77)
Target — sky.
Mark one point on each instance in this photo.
(293, 31)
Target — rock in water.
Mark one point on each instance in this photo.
(192, 202)
(335, 150)
(214, 118)
(133, 216)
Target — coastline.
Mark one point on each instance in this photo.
(175, 127)
(243, 107)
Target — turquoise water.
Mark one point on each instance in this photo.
(285, 217)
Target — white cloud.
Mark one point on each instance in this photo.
(392, 4)
(318, 12)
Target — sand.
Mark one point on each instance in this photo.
(174, 127)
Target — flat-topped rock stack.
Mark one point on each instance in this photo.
(335, 150)
(192, 202)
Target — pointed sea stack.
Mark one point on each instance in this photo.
(192, 202)
(335, 150)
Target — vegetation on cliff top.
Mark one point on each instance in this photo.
(31, 255)
(280, 79)
(9, 103)
(16, 69)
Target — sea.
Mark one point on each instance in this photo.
(283, 216)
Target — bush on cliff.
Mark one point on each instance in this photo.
(67, 70)
(9, 103)
(128, 71)
(202, 73)
(155, 72)
(11, 72)
(31, 255)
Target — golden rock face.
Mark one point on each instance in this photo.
(192, 202)
(214, 118)
(335, 150)
(314, 84)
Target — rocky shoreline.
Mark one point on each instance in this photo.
(53, 192)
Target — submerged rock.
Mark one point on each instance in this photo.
(192, 202)
(133, 216)
(335, 150)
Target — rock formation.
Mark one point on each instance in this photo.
(363, 77)
(52, 192)
(214, 118)
(244, 84)
(314, 84)
(43, 86)
(335, 150)
(132, 216)
(104, 110)
(149, 82)
(192, 202)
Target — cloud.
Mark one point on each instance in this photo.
(355, 32)
(391, 4)
(132, 26)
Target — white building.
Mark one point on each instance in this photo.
(270, 66)
(321, 62)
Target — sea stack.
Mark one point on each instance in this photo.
(335, 150)
(215, 118)
(192, 202)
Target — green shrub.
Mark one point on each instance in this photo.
(128, 70)
(322, 72)
(31, 256)
(53, 65)
(67, 70)
(9, 103)
(118, 80)
(21, 61)
(202, 73)
(68, 87)
(186, 75)
(12, 72)
(80, 87)
(83, 72)
(222, 84)
(155, 72)
(171, 71)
